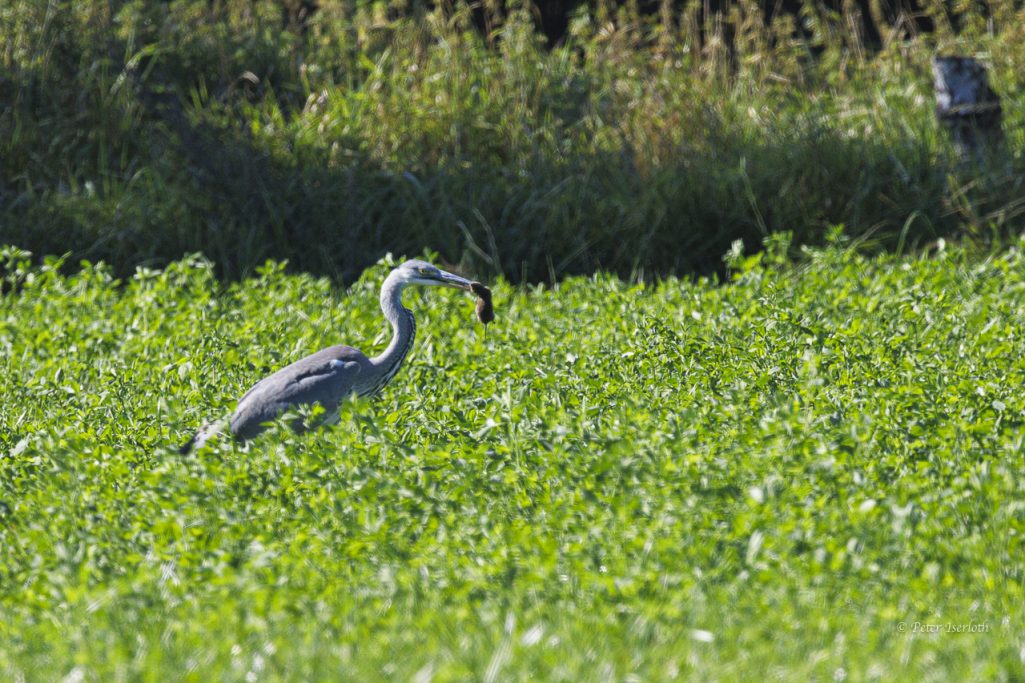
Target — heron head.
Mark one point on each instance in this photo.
(417, 272)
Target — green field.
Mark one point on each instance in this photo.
(803, 461)
(618, 482)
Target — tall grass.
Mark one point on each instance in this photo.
(133, 132)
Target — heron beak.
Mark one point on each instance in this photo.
(450, 280)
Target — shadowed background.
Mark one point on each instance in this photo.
(642, 139)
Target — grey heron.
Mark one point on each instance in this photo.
(332, 375)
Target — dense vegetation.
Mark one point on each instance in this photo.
(802, 474)
(135, 132)
(617, 482)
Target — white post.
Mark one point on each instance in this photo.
(967, 106)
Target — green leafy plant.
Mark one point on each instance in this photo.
(653, 480)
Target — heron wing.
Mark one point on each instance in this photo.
(325, 377)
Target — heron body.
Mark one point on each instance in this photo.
(324, 377)
(336, 373)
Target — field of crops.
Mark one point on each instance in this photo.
(812, 472)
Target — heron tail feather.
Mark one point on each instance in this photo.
(205, 433)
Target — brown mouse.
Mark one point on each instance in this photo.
(485, 309)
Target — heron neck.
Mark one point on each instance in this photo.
(403, 326)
